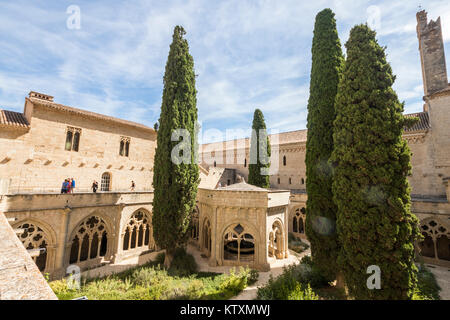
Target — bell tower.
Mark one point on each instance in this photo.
(432, 56)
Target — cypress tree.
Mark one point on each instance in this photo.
(258, 169)
(371, 165)
(175, 183)
(327, 60)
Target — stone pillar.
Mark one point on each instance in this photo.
(116, 248)
(214, 259)
(62, 249)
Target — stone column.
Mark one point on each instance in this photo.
(214, 243)
(116, 249)
(62, 249)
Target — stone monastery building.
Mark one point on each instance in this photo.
(234, 223)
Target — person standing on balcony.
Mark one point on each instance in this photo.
(72, 186)
(94, 186)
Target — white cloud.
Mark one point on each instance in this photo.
(248, 54)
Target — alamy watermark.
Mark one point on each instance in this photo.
(374, 281)
(234, 151)
(73, 22)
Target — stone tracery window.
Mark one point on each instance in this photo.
(90, 240)
(138, 232)
(298, 221)
(34, 237)
(437, 240)
(239, 245)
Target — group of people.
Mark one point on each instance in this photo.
(68, 186)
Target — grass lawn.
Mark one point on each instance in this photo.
(151, 282)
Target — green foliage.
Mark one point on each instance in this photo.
(183, 264)
(296, 244)
(253, 277)
(427, 287)
(371, 164)
(175, 184)
(327, 61)
(259, 160)
(305, 275)
(151, 282)
(303, 293)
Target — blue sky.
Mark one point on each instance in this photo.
(248, 54)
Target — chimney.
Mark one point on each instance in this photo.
(41, 96)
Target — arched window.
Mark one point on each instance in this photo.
(299, 221)
(195, 224)
(277, 241)
(436, 243)
(137, 232)
(34, 237)
(303, 181)
(72, 139)
(239, 245)
(284, 160)
(245, 163)
(106, 182)
(207, 241)
(122, 147)
(290, 180)
(90, 240)
(279, 180)
(215, 164)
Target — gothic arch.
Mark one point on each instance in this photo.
(38, 235)
(195, 224)
(298, 219)
(436, 243)
(91, 239)
(138, 232)
(233, 236)
(206, 236)
(277, 240)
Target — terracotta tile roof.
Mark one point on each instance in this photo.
(422, 125)
(14, 119)
(57, 106)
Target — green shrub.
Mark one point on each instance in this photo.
(305, 274)
(301, 293)
(427, 287)
(252, 277)
(296, 244)
(152, 282)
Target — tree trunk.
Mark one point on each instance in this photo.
(340, 283)
(168, 258)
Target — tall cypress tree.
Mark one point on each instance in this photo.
(370, 186)
(258, 169)
(175, 183)
(327, 61)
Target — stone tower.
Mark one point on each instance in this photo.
(431, 47)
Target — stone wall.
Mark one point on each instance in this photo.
(20, 278)
(59, 217)
(36, 160)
